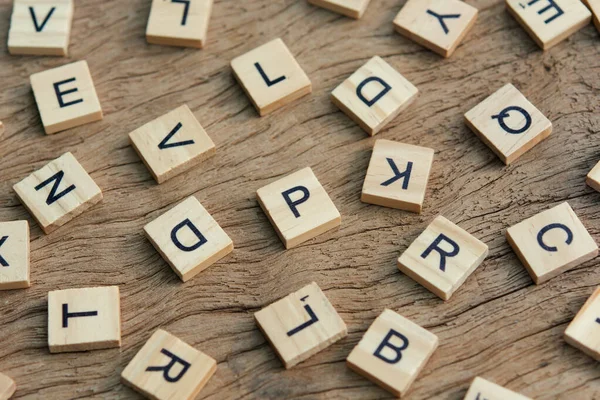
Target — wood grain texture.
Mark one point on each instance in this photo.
(499, 325)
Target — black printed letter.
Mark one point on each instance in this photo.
(39, 28)
(443, 253)
(164, 145)
(540, 236)
(174, 360)
(185, 11)
(195, 231)
(312, 320)
(66, 315)
(551, 4)
(53, 196)
(59, 94)
(398, 174)
(266, 78)
(396, 349)
(441, 19)
(293, 204)
(2, 260)
(386, 88)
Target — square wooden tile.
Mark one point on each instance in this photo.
(300, 325)
(594, 6)
(179, 22)
(40, 27)
(551, 242)
(172, 143)
(350, 8)
(593, 177)
(584, 331)
(167, 368)
(66, 97)
(58, 192)
(298, 207)
(442, 257)
(271, 76)
(393, 352)
(188, 238)
(14, 255)
(397, 175)
(508, 123)
(439, 25)
(482, 389)
(84, 319)
(549, 22)
(7, 387)
(374, 95)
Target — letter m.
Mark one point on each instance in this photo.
(54, 195)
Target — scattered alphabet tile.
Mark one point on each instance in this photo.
(300, 325)
(482, 389)
(298, 207)
(172, 143)
(397, 175)
(271, 76)
(584, 331)
(508, 123)
(594, 6)
(40, 27)
(549, 22)
(593, 178)
(188, 238)
(58, 192)
(179, 22)
(350, 8)
(393, 352)
(7, 387)
(551, 242)
(14, 255)
(374, 95)
(439, 25)
(84, 319)
(442, 257)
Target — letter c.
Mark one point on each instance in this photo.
(544, 230)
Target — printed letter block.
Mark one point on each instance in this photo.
(271, 76)
(84, 319)
(40, 27)
(584, 331)
(57, 193)
(188, 238)
(14, 255)
(300, 325)
(66, 97)
(172, 144)
(439, 25)
(593, 178)
(549, 22)
(594, 6)
(167, 368)
(552, 242)
(7, 387)
(397, 176)
(482, 389)
(298, 207)
(508, 123)
(392, 352)
(179, 22)
(442, 257)
(350, 8)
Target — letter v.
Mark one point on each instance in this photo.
(39, 28)
(164, 145)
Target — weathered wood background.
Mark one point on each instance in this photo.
(498, 325)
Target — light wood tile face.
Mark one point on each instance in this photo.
(84, 319)
(188, 238)
(443, 257)
(66, 97)
(2, 129)
(300, 325)
(552, 242)
(584, 331)
(508, 123)
(397, 176)
(593, 178)
(271, 76)
(374, 95)
(482, 389)
(172, 144)
(594, 6)
(58, 192)
(439, 25)
(350, 8)
(549, 22)
(166, 368)
(392, 352)
(179, 22)
(40, 27)
(298, 207)
(14, 255)
(7, 387)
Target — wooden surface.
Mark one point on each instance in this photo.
(498, 325)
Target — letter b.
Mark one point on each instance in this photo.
(386, 343)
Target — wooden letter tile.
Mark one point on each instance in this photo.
(188, 238)
(7, 387)
(58, 192)
(593, 178)
(594, 6)
(14, 255)
(482, 389)
(392, 352)
(439, 25)
(552, 242)
(40, 27)
(172, 144)
(167, 368)
(66, 97)
(584, 331)
(271, 76)
(442, 257)
(397, 176)
(374, 95)
(549, 22)
(179, 22)
(350, 8)
(508, 123)
(298, 207)
(84, 319)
